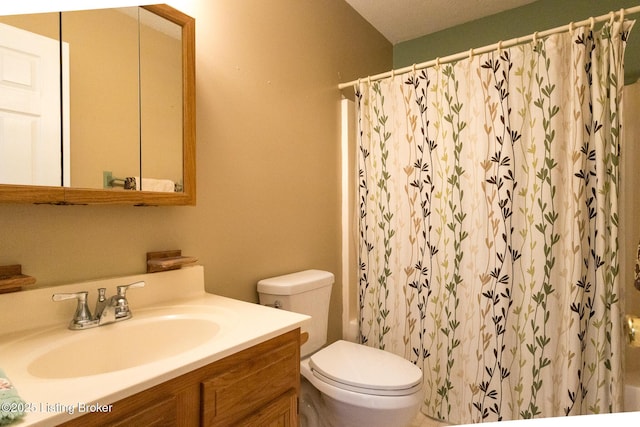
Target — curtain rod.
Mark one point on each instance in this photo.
(500, 45)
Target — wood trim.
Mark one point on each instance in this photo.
(86, 196)
(31, 194)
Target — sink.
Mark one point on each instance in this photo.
(144, 339)
(114, 349)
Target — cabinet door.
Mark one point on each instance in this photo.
(160, 414)
(251, 382)
(143, 409)
(282, 412)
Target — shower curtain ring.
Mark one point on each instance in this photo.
(571, 27)
(471, 53)
(413, 68)
(535, 37)
(592, 23)
(437, 61)
(500, 47)
(612, 16)
(622, 15)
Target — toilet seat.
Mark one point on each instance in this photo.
(366, 370)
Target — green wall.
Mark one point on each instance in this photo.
(538, 16)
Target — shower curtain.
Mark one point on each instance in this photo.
(488, 233)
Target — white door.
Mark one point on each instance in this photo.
(30, 126)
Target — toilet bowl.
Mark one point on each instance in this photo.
(344, 384)
(363, 386)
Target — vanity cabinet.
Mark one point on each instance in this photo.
(258, 386)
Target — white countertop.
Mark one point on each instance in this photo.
(52, 401)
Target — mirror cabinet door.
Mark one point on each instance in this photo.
(104, 106)
(30, 119)
(161, 91)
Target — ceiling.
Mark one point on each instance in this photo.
(401, 20)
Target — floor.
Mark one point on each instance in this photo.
(424, 421)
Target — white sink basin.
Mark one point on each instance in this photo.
(123, 346)
(146, 338)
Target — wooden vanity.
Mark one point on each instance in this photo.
(256, 387)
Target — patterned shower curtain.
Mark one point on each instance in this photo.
(488, 227)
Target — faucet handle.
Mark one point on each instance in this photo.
(82, 316)
(122, 289)
(122, 310)
(69, 295)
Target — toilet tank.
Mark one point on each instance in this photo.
(306, 292)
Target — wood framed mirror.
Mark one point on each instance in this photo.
(144, 135)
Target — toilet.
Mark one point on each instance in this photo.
(344, 384)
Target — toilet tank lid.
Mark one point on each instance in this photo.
(296, 283)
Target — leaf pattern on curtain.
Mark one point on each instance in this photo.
(488, 248)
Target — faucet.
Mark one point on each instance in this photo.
(108, 310)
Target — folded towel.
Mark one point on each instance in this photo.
(11, 406)
(152, 184)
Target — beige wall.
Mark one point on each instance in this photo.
(268, 127)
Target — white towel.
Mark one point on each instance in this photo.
(151, 184)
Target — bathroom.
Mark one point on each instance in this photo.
(268, 153)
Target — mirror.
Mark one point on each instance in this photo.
(104, 107)
(161, 80)
(126, 109)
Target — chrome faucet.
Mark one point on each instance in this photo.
(108, 310)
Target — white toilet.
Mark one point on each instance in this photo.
(344, 384)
